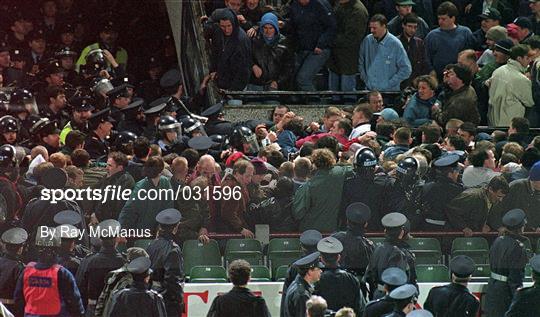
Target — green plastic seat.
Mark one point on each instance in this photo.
(246, 249)
(482, 271)
(208, 274)
(142, 243)
(426, 250)
(476, 248)
(260, 273)
(197, 253)
(432, 273)
(281, 273)
(528, 273)
(283, 251)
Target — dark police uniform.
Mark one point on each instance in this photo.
(526, 300)
(392, 278)
(80, 105)
(454, 300)
(11, 266)
(155, 109)
(338, 287)
(300, 290)
(400, 294)
(66, 220)
(167, 264)
(507, 259)
(308, 240)
(215, 125)
(438, 194)
(113, 94)
(137, 300)
(94, 268)
(393, 253)
(130, 122)
(96, 147)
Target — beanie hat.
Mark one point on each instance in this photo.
(534, 173)
(496, 33)
(462, 73)
(504, 46)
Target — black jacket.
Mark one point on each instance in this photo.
(340, 289)
(452, 300)
(275, 60)
(238, 302)
(137, 301)
(298, 294)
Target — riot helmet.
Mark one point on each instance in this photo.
(192, 127)
(244, 140)
(22, 102)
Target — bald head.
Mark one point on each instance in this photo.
(206, 166)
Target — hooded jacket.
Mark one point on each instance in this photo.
(231, 55)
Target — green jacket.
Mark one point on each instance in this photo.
(316, 203)
(351, 20)
(141, 214)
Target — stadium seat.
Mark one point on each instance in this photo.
(198, 253)
(377, 241)
(475, 247)
(528, 273)
(283, 251)
(260, 273)
(281, 273)
(426, 250)
(247, 249)
(208, 274)
(432, 273)
(142, 243)
(482, 271)
(538, 246)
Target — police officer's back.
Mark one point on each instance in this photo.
(392, 278)
(167, 262)
(455, 299)
(507, 259)
(69, 235)
(138, 300)
(340, 288)
(525, 302)
(11, 264)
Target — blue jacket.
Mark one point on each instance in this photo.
(313, 25)
(384, 64)
(287, 140)
(418, 111)
(393, 151)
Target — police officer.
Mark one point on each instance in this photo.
(301, 289)
(173, 85)
(167, 262)
(357, 249)
(404, 300)
(308, 244)
(70, 254)
(152, 115)
(11, 264)
(507, 259)
(192, 127)
(10, 195)
(9, 130)
(438, 194)
(119, 98)
(340, 288)
(45, 287)
(46, 133)
(216, 123)
(525, 302)
(133, 118)
(138, 300)
(373, 187)
(170, 139)
(82, 110)
(66, 57)
(149, 88)
(455, 299)
(124, 142)
(243, 140)
(96, 144)
(392, 278)
(94, 268)
(393, 253)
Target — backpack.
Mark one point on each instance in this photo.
(116, 280)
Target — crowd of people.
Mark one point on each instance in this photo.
(75, 126)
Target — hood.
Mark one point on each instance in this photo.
(269, 18)
(226, 14)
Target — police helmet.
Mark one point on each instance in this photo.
(9, 124)
(191, 125)
(124, 137)
(22, 100)
(244, 140)
(365, 158)
(8, 156)
(412, 167)
(168, 123)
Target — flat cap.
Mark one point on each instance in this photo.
(169, 216)
(310, 238)
(102, 116)
(67, 217)
(394, 276)
(68, 231)
(523, 22)
(139, 265)
(450, 160)
(420, 313)
(135, 104)
(15, 236)
(171, 78)
(309, 261)
(330, 245)
(462, 266)
(394, 220)
(535, 263)
(213, 110)
(491, 13)
(156, 106)
(404, 292)
(108, 229)
(200, 143)
(514, 219)
(49, 239)
(405, 3)
(53, 178)
(118, 91)
(358, 212)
